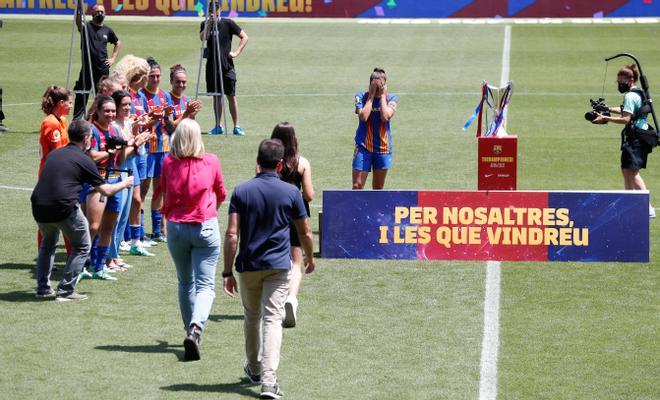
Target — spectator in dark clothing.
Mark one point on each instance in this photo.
(55, 208)
(98, 36)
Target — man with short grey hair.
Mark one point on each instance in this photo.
(55, 208)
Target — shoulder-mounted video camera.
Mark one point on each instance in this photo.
(599, 107)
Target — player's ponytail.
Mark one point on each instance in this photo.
(52, 96)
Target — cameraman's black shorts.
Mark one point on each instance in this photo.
(633, 155)
(213, 82)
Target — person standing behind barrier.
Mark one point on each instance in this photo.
(226, 28)
(297, 171)
(99, 36)
(634, 152)
(260, 213)
(193, 190)
(55, 208)
(373, 138)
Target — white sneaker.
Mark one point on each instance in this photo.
(290, 309)
(124, 246)
(651, 211)
(140, 243)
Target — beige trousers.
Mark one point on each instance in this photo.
(263, 294)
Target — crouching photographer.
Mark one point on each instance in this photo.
(637, 137)
(55, 208)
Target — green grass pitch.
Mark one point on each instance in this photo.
(367, 329)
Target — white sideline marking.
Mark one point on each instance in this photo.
(15, 188)
(491, 340)
(506, 55)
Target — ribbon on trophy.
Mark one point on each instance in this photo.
(496, 99)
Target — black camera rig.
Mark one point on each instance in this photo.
(599, 107)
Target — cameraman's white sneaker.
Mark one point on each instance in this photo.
(651, 212)
(290, 309)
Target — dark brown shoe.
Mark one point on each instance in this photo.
(191, 343)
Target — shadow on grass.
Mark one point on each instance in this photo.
(56, 273)
(220, 317)
(21, 296)
(241, 387)
(161, 347)
(17, 266)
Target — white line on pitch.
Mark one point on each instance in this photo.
(491, 340)
(15, 188)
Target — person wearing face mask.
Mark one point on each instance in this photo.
(98, 36)
(55, 208)
(634, 152)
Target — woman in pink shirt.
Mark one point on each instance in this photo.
(193, 190)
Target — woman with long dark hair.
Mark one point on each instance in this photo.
(298, 172)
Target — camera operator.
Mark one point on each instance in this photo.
(226, 30)
(634, 151)
(99, 35)
(55, 208)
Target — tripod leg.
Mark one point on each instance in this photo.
(73, 28)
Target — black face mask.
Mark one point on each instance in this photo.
(98, 17)
(623, 87)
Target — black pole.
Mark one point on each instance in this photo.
(644, 82)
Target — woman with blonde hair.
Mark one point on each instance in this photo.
(193, 190)
(135, 69)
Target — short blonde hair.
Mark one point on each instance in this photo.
(132, 67)
(187, 140)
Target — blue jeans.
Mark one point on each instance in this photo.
(195, 249)
(122, 221)
(76, 229)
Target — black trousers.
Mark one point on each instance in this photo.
(85, 83)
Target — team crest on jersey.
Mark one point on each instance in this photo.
(56, 136)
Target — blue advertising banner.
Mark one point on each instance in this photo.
(486, 225)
